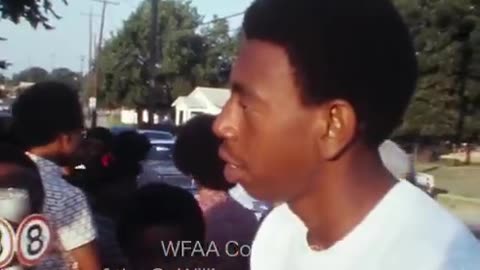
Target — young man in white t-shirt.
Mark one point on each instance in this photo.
(48, 122)
(317, 86)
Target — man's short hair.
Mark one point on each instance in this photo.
(356, 50)
(44, 111)
(196, 153)
(161, 205)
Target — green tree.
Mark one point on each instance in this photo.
(186, 57)
(33, 74)
(126, 55)
(66, 76)
(34, 11)
(446, 36)
(220, 49)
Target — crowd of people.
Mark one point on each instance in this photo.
(305, 131)
(90, 194)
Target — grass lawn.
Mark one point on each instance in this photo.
(461, 180)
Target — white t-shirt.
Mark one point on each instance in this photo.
(406, 230)
(67, 209)
(239, 194)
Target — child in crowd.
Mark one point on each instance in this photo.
(158, 217)
(112, 164)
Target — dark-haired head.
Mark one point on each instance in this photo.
(159, 214)
(196, 153)
(102, 135)
(129, 149)
(48, 116)
(356, 51)
(18, 171)
(96, 149)
(314, 82)
(95, 154)
(111, 173)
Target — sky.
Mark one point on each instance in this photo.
(67, 44)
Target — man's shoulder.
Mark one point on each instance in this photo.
(280, 215)
(280, 221)
(58, 184)
(429, 235)
(61, 196)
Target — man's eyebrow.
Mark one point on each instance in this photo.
(243, 90)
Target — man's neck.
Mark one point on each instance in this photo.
(44, 152)
(347, 191)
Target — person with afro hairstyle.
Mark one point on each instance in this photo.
(196, 155)
(316, 87)
(47, 120)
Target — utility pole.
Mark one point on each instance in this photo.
(82, 64)
(97, 84)
(89, 85)
(153, 58)
(91, 42)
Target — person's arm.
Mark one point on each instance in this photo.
(87, 257)
(77, 232)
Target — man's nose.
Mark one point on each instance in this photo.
(222, 127)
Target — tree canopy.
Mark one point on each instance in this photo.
(446, 34)
(34, 11)
(32, 74)
(38, 74)
(189, 55)
(447, 39)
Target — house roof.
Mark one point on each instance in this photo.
(189, 101)
(217, 96)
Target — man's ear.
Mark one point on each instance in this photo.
(335, 126)
(62, 141)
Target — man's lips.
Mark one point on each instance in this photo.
(231, 171)
(225, 156)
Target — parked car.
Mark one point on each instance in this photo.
(157, 136)
(119, 129)
(160, 168)
(426, 181)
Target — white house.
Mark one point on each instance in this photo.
(202, 100)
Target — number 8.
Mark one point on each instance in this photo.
(7, 243)
(37, 238)
(33, 239)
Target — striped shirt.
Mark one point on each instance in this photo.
(68, 211)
